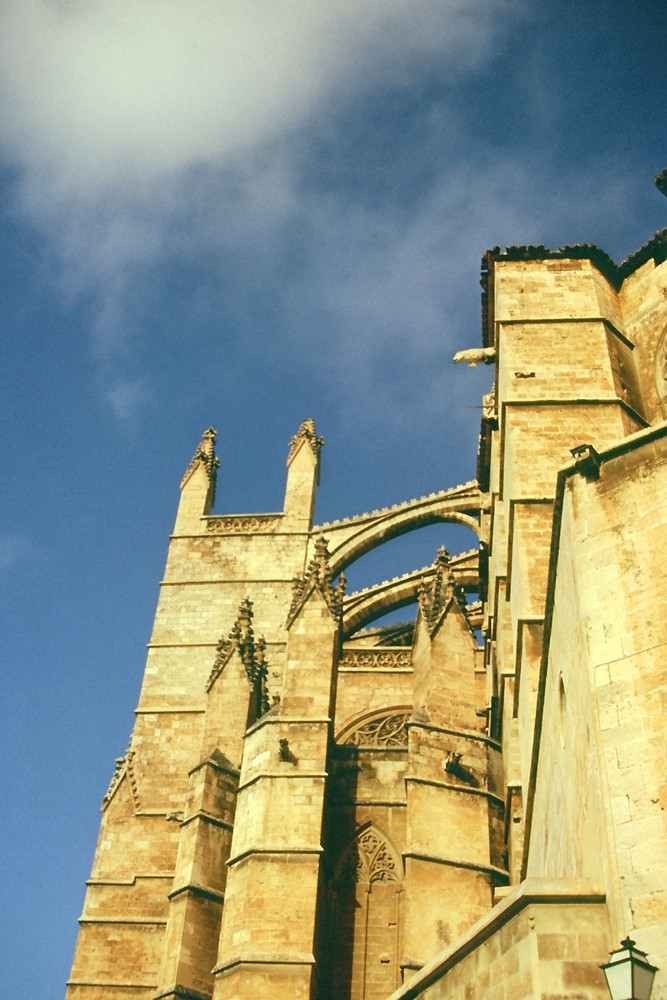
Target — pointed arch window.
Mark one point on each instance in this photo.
(365, 918)
(368, 859)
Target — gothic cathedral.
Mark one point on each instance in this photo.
(470, 806)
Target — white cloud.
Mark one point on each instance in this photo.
(127, 397)
(174, 130)
(98, 93)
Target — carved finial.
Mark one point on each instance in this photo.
(434, 599)
(251, 650)
(318, 574)
(204, 455)
(306, 433)
(118, 773)
(661, 182)
(124, 766)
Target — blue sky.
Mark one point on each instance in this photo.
(245, 214)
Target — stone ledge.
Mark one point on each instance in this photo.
(470, 789)
(531, 891)
(569, 320)
(266, 959)
(273, 717)
(207, 818)
(370, 803)
(202, 891)
(131, 879)
(279, 852)
(291, 774)
(457, 863)
(141, 921)
(179, 992)
(466, 734)
(103, 984)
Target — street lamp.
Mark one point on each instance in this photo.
(628, 972)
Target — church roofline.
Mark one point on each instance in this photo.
(655, 248)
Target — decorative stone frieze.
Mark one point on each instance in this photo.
(383, 733)
(376, 659)
(233, 524)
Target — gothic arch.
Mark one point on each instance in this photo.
(368, 858)
(349, 540)
(380, 729)
(365, 916)
(360, 608)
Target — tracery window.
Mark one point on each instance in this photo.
(365, 919)
(383, 732)
(368, 859)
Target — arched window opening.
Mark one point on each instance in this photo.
(386, 730)
(365, 898)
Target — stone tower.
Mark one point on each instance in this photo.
(470, 806)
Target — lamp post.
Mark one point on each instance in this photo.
(628, 972)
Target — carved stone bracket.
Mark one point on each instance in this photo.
(454, 766)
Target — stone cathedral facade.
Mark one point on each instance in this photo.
(470, 806)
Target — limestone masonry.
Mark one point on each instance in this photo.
(469, 807)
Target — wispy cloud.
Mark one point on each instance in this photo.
(220, 138)
(150, 132)
(127, 398)
(14, 549)
(99, 94)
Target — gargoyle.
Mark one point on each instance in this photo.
(454, 766)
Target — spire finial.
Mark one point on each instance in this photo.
(318, 574)
(251, 650)
(307, 433)
(434, 599)
(205, 456)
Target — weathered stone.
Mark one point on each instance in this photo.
(310, 810)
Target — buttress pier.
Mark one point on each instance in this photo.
(308, 806)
